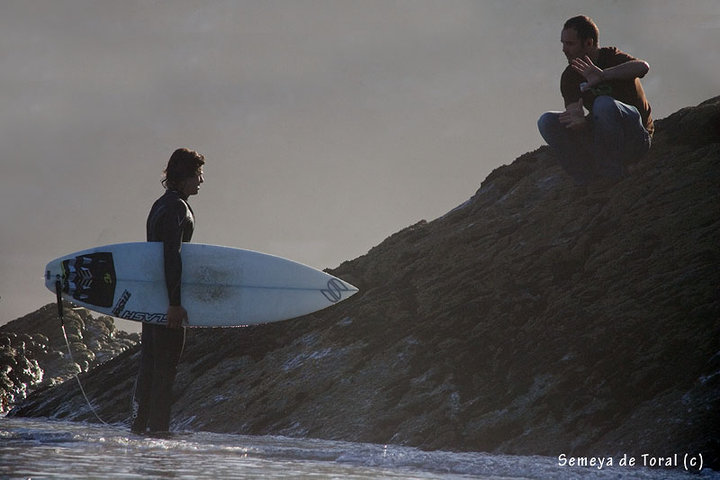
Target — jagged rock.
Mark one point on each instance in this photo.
(536, 318)
(33, 353)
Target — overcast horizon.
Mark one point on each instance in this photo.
(327, 125)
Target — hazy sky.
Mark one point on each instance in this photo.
(327, 124)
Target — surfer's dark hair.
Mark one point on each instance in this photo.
(585, 28)
(183, 164)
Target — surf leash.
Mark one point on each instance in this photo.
(61, 315)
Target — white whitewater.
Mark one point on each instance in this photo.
(41, 448)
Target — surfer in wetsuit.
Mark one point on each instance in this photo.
(171, 221)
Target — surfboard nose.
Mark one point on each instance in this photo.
(338, 290)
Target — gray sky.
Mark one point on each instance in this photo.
(327, 124)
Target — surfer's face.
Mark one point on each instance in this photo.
(191, 185)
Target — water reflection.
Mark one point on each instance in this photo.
(32, 448)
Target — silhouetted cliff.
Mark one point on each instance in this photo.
(34, 355)
(536, 318)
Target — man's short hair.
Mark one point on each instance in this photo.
(183, 164)
(585, 28)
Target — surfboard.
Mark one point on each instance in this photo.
(221, 286)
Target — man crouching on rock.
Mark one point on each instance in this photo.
(171, 221)
(606, 81)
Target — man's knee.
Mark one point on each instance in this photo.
(547, 122)
(605, 107)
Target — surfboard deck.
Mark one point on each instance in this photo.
(221, 286)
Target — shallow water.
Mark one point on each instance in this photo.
(41, 448)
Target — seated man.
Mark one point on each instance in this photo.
(606, 82)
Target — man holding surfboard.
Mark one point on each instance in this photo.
(171, 221)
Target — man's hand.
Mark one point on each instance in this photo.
(574, 116)
(176, 316)
(585, 67)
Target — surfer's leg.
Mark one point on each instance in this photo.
(168, 343)
(571, 148)
(143, 382)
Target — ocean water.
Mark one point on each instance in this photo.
(41, 448)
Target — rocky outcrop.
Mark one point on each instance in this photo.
(536, 318)
(34, 355)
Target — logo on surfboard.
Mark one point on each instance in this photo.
(90, 278)
(334, 290)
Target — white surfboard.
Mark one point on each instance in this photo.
(221, 286)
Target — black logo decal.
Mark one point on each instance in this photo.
(121, 303)
(334, 290)
(158, 318)
(90, 278)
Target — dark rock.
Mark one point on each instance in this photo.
(536, 318)
(33, 353)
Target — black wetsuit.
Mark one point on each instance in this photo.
(172, 222)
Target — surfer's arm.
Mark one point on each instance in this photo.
(172, 245)
(176, 314)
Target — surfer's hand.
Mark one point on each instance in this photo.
(176, 316)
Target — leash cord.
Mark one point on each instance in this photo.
(58, 288)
